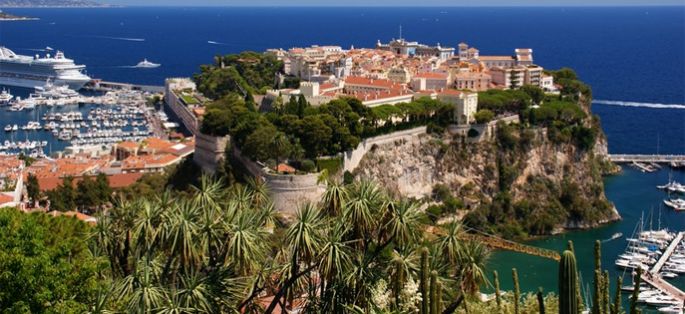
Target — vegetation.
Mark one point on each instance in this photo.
(86, 195)
(45, 264)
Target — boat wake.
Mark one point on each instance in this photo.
(121, 38)
(638, 104)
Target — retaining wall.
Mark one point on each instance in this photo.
(351, 159)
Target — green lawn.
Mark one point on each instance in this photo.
(190, 100)
(333, 165)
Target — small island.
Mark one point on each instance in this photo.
(10, 17)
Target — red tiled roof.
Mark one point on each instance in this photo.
(4, 199)
(116, 181)
(453, 92)
(431, 75)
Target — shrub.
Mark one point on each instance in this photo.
(484, 116)
(348, 177)
(307, 165)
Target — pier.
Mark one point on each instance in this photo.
(653, 279)
(104, 86)
(646, 158)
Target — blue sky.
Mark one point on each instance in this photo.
(396, 2)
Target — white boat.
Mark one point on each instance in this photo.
(662, 300)
(147, 64)
(666, 274)
(676, 203)
(5, 97)
(673, 309)
(8, 128)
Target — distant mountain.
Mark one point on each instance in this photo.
(50, 3)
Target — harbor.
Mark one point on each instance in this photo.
(50, 119)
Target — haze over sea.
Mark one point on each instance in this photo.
(633, 57)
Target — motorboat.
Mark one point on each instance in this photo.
(675, 203)
(5, 97)
(147, 64)
(662, 300)
(668, 275)
(8, 128)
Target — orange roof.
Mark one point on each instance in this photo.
(432, 75)
(199, 112)
(285, 168)
(116, 181)
(148, 161)
(492, 58)
(79, 216)
(128, 145)
(381, 83)
(452, 92)
(4, 199)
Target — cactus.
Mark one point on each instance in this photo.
(606, 283)
(568, 282)
(424, 281)
(541, 301)
(617, 308)
(579, 294)
(399, 282)
(597, 296)
(636, 292)
(498, 298)
(434, 293)
(438, 297)
(517, 291)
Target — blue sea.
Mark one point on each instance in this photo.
(633, 57)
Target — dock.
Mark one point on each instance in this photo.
(653, 279)
(104, 86)
(646, 158)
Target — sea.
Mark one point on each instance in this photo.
(633, 57)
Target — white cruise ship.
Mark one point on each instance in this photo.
(30, 72)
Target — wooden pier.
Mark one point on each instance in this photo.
(645, 158)
(653, 279)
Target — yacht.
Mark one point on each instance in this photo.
(31, 71)
(147, 64)
(5, 97)
(676, 203)
(673, 309)
(50, 90)
(8, 128)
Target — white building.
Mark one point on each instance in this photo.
(465, 104)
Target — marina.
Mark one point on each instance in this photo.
(52, 118)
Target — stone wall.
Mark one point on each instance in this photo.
(288, 192)
(209, 151)
(352, 158)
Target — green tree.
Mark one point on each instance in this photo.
(45, 264)
(484, 116)
(32, 188)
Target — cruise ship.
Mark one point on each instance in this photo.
(30, 72)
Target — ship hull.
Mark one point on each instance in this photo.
(75, 84)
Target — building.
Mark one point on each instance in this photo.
(399, 75)
(547, 83)
(465, 104)
(508, 77)
(468, 54)
(402, 47)
(430, 80)
(180, 95)
(497, 61)
(150, 155)
(524, 56)
(473, 81)
(11, 181)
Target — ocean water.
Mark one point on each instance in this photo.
(634, 59)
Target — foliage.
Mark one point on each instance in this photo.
(86, 194)
(484, 116)
(504, 101)
(32, 188)
(244, 73)
(45, 265)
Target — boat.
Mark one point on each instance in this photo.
(5, 97)
(8, 128)
(668, 275)
(147, 64)
(50, 90)
(676, 203)
(662, 300)
(673, 309)
(30, 71)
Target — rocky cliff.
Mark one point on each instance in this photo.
(517, 183)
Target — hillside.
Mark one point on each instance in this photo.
(50, 3)
(526, 179)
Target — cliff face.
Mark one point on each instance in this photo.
(516, 183)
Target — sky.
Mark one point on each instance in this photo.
(442, 3)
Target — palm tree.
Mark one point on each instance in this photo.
(403, 224)
(140, 289)
(362, 209)
(333, 198)
(450, 243)
(471, 266)
(180, 231)
(245, 245)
